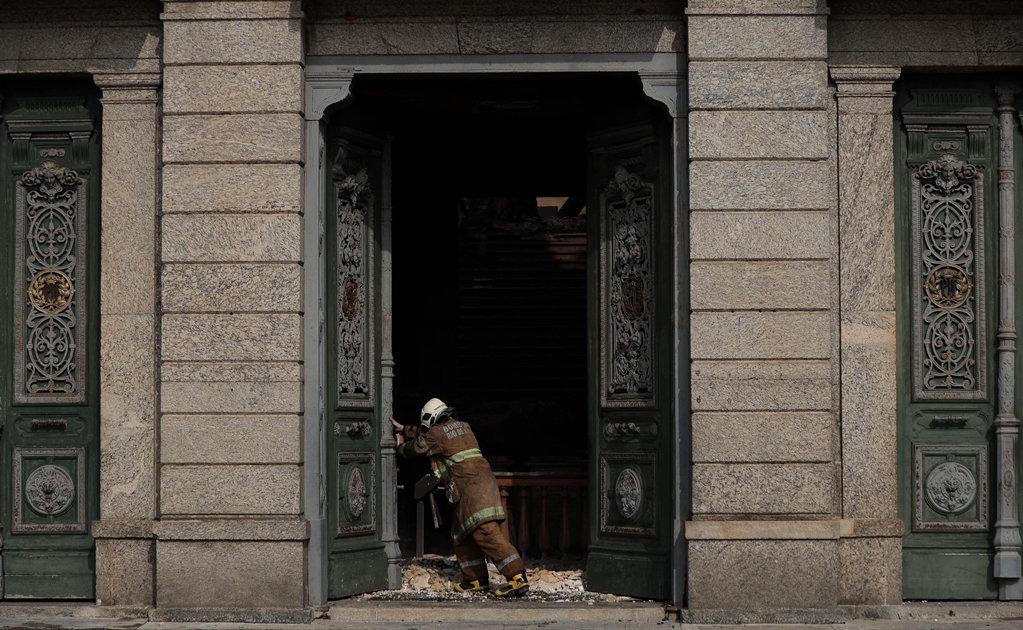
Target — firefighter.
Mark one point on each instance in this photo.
(456, 460)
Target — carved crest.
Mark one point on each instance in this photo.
(354, 220)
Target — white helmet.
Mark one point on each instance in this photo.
(433, 411)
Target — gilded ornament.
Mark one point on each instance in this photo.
(51, 291)
(948, 286)
(349, 297)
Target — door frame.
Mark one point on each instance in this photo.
(328, 81)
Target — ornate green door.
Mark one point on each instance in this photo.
(956, 422)
(49, 220)
(630, 401)
(360, 474)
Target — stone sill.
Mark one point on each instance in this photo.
(916, 611)
(794, 530)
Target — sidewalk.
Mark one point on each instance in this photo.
(520, 616)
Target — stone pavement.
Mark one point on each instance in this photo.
(499, 615)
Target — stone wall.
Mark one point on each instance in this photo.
(231, 533)
(764, 300)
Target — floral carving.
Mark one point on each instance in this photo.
(628, 493)
(49, 490)
(626, 291)
(352, 261)
(951, 488)
(357, 494)
(50, 253)
(948, 252)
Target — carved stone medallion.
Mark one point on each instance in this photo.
(628, 493)
(948, 286)
(951, 488)
(49, 490)
(356, 495)
(51, 291)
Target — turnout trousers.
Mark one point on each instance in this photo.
(487, 541)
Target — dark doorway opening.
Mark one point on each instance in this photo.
(489, 187)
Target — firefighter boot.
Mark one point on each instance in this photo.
(518, 585)
(472, 586)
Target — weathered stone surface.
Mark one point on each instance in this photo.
(235, 288)
(380, 37)
(232, 397)
(870, 571)
(760, 235)
(124, 572)
(761, 385)
(241, 489)
(194, 372)
(758, 134)
(762, 437)
(127, 415)
(763, 530)
(869, 427)
(232, 89)
(232, 41)
(763, 574)
(761, 185)
(232, 529)
(753, 7)
(232, 138)
(273, 188)
(232, 238)
(222, 574)
(758, 84)
(763, 488)
(867, 212)
(230, 439)
(122, 528)
(760, 335)
(760, 285)
(758, 37)
(231, 337)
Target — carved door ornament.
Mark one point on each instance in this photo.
(50, 254)
(948, 264)
(626, 291)
(354, 277)
(629, 493)
(356, 485)
(951, 488)
(49, 490)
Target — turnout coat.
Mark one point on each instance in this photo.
(456, 458)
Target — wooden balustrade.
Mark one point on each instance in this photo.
(517, 527)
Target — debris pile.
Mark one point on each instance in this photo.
(434, 578)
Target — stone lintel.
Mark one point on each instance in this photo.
(232, 10)
(795, 530)
(232, 529)
(122, 528)
(757, 7)
(129, 88)
(865, 81)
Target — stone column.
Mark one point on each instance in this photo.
(763, 293)
(870, 554)
(231, 534)
(124, 533)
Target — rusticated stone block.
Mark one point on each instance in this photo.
(232, 138)
(758, 37)
(124, 571)
(762, 437)
(763, 488)
(232, 89)
(232, 238)
(269, 337)
(763, 574)
(761, 185)
(230, 574)
(233, 287)
(758, 84)
(761, 335)
(760, 285)
(232, 41)
(271, 188)
(760, 235)
(242, 489)
(758, 134)
(761, 385)
(870, 571)
(234, 397)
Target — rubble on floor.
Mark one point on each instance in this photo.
(434, 578)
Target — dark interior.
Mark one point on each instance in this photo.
(489, 260)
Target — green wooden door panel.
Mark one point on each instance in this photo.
(630, 297)
(357, 555)
(946, 265)
(49, 338)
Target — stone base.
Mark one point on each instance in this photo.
(125, 562)
(236, 615)
(870, 571)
